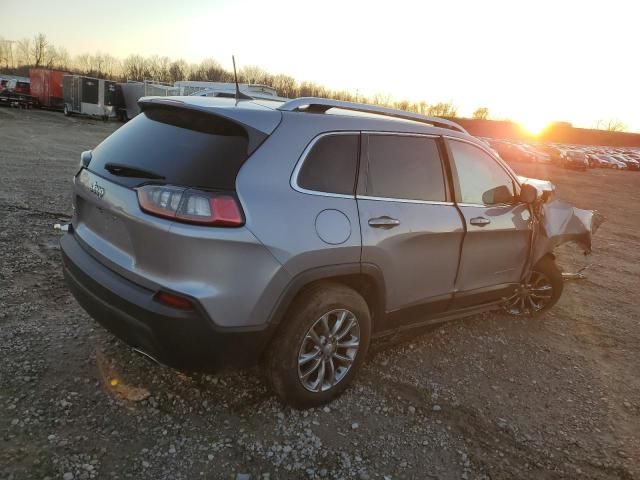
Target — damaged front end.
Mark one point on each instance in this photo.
(558, 222)
(553, 223)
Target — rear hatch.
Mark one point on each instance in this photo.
(168, 144)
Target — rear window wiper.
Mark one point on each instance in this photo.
(127, 171)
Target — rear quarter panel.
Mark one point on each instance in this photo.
(284, 219)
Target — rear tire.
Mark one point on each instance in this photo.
(541, 290)
(321, 345)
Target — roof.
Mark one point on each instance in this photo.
(265, 115)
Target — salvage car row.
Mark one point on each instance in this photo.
(578, 157)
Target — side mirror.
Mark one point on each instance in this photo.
(528, 194)
(497, 195)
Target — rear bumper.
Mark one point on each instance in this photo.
(179, 339)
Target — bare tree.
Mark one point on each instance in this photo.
(403, 105)
(286, 86)
(611, 125)
(134, 67)
(443, 109)
(481, 113)
(254, 74)
(210, 70)
(163, 69)
(158, 68)
(112, 66)
(23, 52)
(178, 70)
(381, 99)
(39, 49)
(6, 53)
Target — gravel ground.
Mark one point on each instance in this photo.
(487, 397)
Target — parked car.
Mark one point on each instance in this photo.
(209, 233)
(553, 151)
(514, 152)
(614, 162)
(598, 161)
(631, 163)
(19, 86)
(574, 159)
(539, 156)
(16, 93)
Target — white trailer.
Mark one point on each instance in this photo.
(89, 96)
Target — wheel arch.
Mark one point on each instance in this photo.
(366, 279)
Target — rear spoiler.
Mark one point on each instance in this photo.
(246, 113)
(258, 121)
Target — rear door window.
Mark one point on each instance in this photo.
(331, 164)
(404, 167)
(184, 147)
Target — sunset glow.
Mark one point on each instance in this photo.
(534, 126)
(532, 62)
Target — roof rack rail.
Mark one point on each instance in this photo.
(321, 105)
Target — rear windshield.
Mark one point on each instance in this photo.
(186, 147)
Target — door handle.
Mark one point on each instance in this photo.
(383, 222)
(479, 221)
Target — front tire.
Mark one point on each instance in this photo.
(320, 347)
(539, 292)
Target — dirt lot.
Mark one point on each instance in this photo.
(488, 397)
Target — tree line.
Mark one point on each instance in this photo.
(18, 56)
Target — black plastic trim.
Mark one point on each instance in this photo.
(329, 272)
(181, 339)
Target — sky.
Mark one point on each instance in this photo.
(532, 61)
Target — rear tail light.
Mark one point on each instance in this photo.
(190, 205)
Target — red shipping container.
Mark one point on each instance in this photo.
(46, 86)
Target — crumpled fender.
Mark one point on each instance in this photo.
(557, 222)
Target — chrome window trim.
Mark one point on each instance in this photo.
(404, 200)
(305, 153)
(293, 181)
(482, 205)
(399, 134)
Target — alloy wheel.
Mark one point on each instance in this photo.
(328, 350)
(531, 296)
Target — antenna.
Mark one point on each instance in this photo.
(235, 76)
(239, 95)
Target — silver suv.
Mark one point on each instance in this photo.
(210, 233)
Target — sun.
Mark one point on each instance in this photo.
(534, 126)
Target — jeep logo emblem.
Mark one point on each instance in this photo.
(97, 190)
